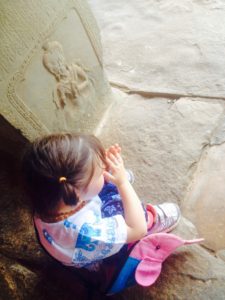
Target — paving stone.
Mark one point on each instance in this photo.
(162, 141)
(204, 203)
(168, 46)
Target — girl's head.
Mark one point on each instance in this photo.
(63, 167)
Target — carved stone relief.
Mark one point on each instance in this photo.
(71, 79)
(57, 82)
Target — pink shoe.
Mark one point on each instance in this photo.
(167, 217)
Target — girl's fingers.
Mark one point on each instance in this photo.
(113, 158)
(110, 151)
(114, 162)
(118, 158)
(118, 148)
(110, 163)
(114, 149)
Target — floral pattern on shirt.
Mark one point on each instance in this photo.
(88, 244)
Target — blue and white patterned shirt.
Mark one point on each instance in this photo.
(96, 231)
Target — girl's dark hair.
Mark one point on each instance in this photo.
(69, 155)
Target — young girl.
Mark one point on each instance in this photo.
(85, 209)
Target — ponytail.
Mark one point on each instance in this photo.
(57, 165)
(68, 193)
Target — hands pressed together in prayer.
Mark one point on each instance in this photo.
(116, 172)
(133, 211)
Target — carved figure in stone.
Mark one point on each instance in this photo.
(72, 79)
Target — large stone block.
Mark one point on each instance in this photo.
(204, 202)
(51, 75)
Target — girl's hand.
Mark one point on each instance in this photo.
(114, 149)
(117, 173)
(133, 211)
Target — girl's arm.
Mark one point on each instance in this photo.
(133, 210)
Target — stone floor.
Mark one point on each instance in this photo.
(166, 65)
(165, 61)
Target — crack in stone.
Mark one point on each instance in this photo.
(209, 250)
(218, 134)
(195, 277)
(148, 94)
(216, 144)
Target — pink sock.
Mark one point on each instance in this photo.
(151, 215)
